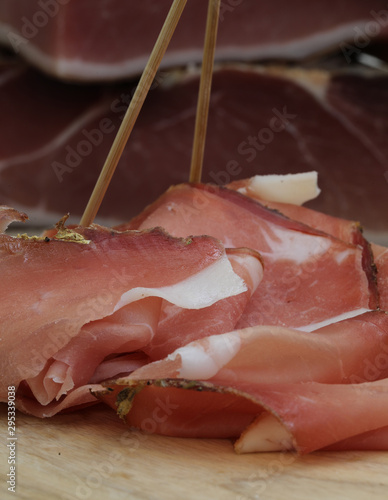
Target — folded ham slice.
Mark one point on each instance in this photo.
(310, 277)
(287, 193)
(64, 38)
(111, 289)
(239, 372)
(177, 326)
(137, 327)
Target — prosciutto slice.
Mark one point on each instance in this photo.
(239, 372)
(262, 120)
(310, 277)
(287, 193)
(111, 288)
(137, 327)
(64, 38)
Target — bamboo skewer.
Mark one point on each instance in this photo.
(204, 90)
(133, 111)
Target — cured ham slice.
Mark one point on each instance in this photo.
(274, 193)
(333, 123)
(310, 277)
(372, 440)
(287, 193)
(112, 285)
(137, 327)
(77, 399)
(64, 38)
(307, 410)
(127, 330)
(239, 372)
(339, 353)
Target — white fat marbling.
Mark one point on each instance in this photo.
(253, 265)
(290, 188)
(295, 246)
(203, 360)
(334, 319)
(215, 282)
(340, 257)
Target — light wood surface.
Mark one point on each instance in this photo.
(91, 454)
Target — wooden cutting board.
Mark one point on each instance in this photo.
(91, 454)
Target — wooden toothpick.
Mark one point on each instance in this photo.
(204, 90)
(133, 111)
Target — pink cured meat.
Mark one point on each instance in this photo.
(307, 409)
(320, 371)
(309, 276)
(136, 327)
(372, 440)
(177, 327)
(338, 127)
(345, 230)
(104, 284)
(66, 40)
(128, 329)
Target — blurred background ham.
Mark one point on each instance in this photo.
(97, 40)
(290, 94)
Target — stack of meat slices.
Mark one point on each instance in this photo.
(83, 305)
(281, 340)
